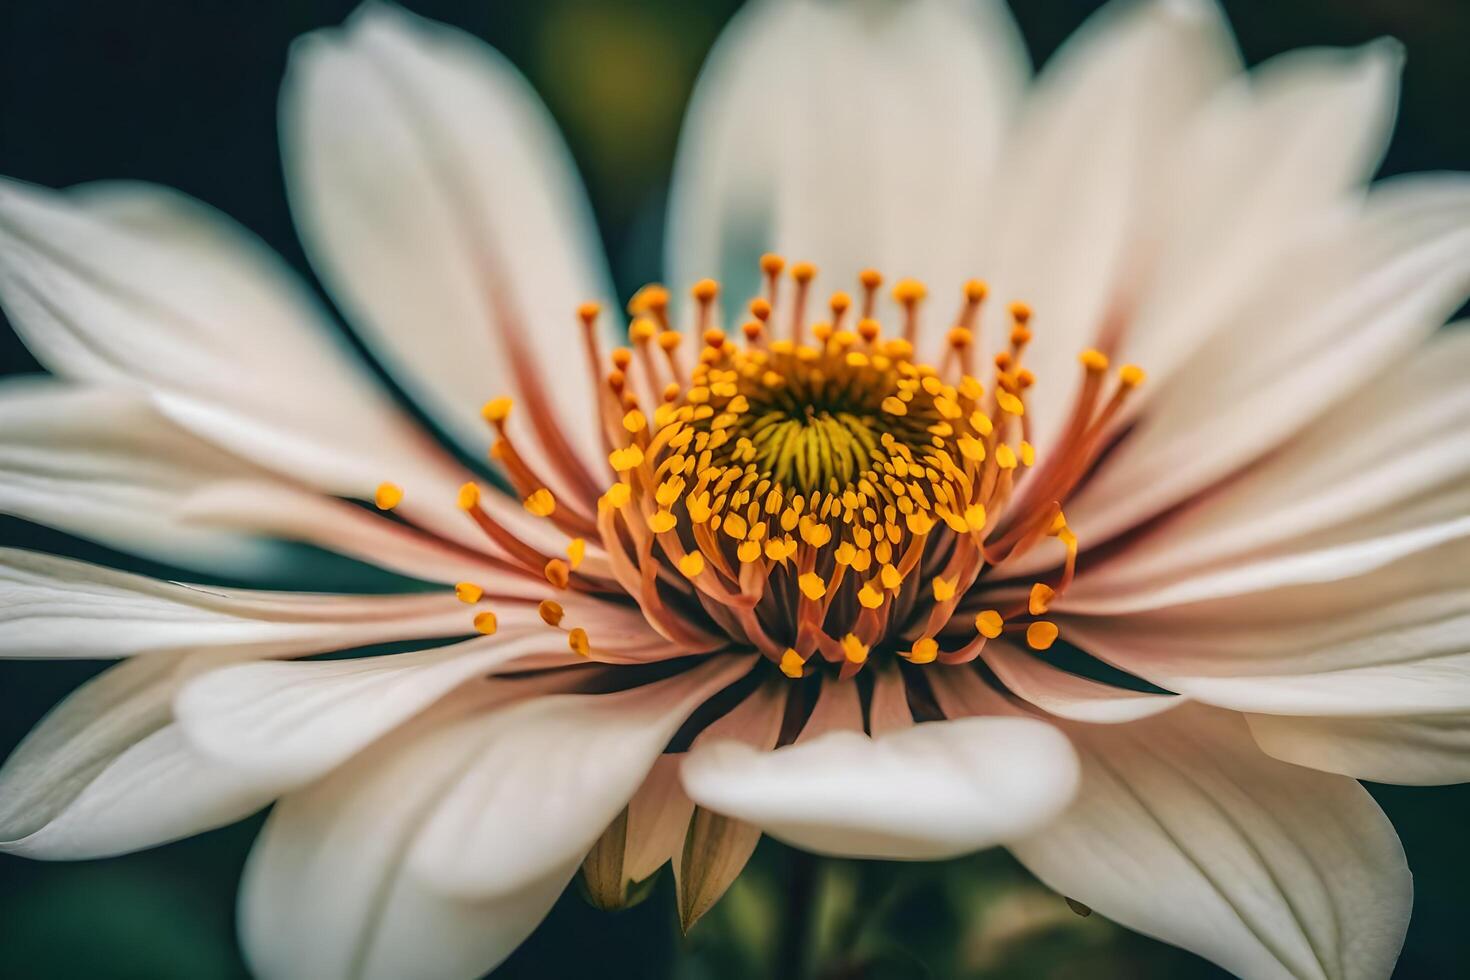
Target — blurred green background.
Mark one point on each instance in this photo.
(185, 94)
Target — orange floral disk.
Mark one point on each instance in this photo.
(808, 487)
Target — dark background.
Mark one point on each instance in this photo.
(185, 94)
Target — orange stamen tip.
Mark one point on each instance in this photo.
(772, 264)
(557, 573)
(924, 651)
(642, 330)
(1020, 336)
(468, 592)
(909, 291)
(705, 290)
(576, 551)
(652, 297)
(551, 612)
(752, 329)
(621, 358)
(803, 272)
(579, 642)
(497, 410)
(976, 290)
(1020, 312)
(714, 337)
(960, 338)
(792, 665)
(760, 308)
(1131, 375)
(669, 339)
(868, 329)
(839, 302)
(854, 650)
(541, 503)
(469, 496)
(1094, 360)
(1041, 635)
(1041, 597)
(812, 586)
(588, 311)
(989, 624)
(944, 589)
(388, 496)
(692, 565)
(486, 623)
(870, 278)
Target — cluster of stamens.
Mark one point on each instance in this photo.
(811, 489)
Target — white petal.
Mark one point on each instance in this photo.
(1368, 289)
(1185, 831)
(442, 210)
(553, 774)
(1068, 695)
(1078, 190)
(1429, 750)
(931, 791)
(1330, 556)
(298, 720)
(200, 315)
(1268, 156)
(1404, 435)
(846, 134)
(103, 464)
(59, 607)
(1390, 642)
(106, 772)
(327, 893)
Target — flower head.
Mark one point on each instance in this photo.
(920, 567)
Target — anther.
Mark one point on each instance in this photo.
(1041, 634)
(551, 612)
(579, 643)
(388, 496)
(557, 573)
(486, 623)
(468, 592)
(989, 624)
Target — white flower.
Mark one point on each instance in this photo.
(1273, 529)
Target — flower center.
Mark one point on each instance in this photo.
(813, 489)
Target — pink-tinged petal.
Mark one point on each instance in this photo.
(1367, 289)
(1071, 240)
(925, 792)
(107, 771)
(195, 312)
(658, 817)
(298, 720)
(103, 464)
(579, 757)
(936, 81)
(442, 210)
(711, 850)
(1428, 750)
(888, 711)
(1401, 437)
(1392, 642)
(1268, 156)
(60, 607)
(1069, 696)
(1185, 831)
(839, 708)
(328, 894)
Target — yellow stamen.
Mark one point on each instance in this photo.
(468, 592)
(388, 496)
(486, 623)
